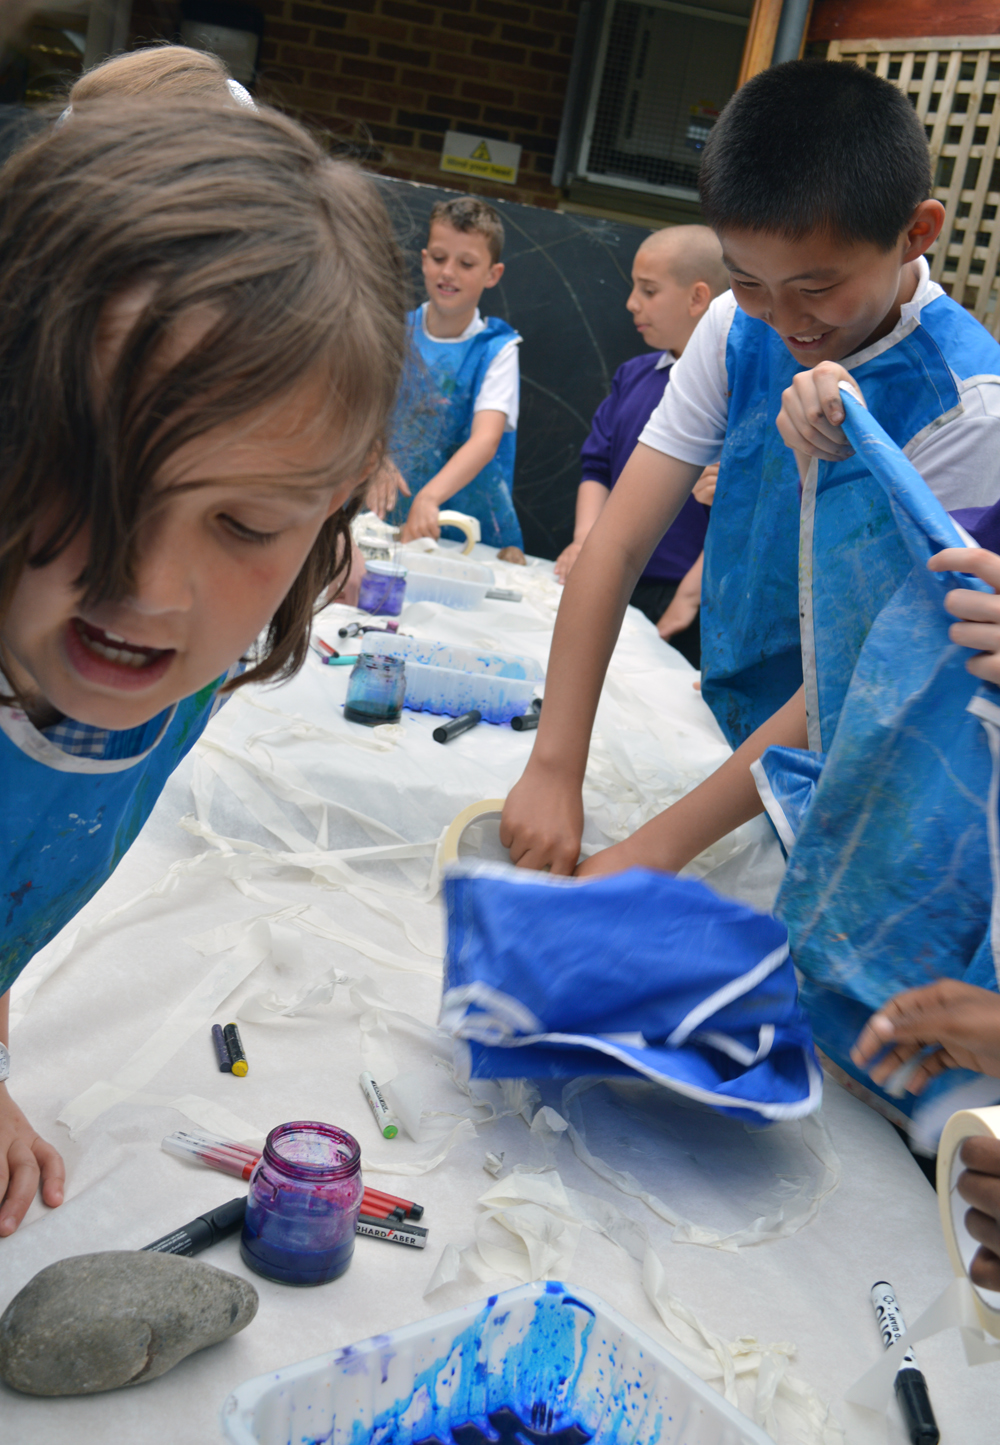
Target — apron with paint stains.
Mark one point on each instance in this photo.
(434, 418)
(750, 648)
(891, 818)
(66, 822)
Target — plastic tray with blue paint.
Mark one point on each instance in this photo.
(455, 680)
(545, 1363)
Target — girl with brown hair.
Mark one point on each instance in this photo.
(201, 333)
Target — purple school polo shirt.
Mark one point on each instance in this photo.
(635, 393)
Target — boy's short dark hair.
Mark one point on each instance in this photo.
(469, 213)
(816, 145)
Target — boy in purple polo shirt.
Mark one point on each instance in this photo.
(676, 274)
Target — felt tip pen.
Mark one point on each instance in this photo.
(234, 1044)
(530, 720)
(387, 1125)
(457, 726)
(910, 1386)
(221, 1052)
(411, 1235)
(202, 1232)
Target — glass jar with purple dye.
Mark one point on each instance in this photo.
(382, 589)
(304, 1201)
(376, 689)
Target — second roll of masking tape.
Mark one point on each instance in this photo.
(967, 1124)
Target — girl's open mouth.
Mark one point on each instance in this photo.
(106, 658)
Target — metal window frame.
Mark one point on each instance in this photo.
(603, 178)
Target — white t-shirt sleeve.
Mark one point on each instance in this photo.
(690, 422)
(960, 461)
(501, 388)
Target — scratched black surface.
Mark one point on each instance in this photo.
(565, 285)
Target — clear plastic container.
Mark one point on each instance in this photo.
(303, 1203)
(550, 1355)
(449, 581)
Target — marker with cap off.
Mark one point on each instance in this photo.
(910, 1386)
(387, 1125)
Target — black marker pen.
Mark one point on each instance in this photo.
(530, 720)
(457, 726)
(207, 1229)
(911, 1387)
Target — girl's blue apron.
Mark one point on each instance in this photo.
(68, 821)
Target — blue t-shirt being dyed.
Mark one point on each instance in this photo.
(635, 393)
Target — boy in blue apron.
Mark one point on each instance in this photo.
(816, 180)
(456, 421)
(187, 406)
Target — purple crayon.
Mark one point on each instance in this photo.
(221, 1050)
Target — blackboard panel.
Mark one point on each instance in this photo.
(565, 285)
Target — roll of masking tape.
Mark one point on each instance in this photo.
(488, 810)
(967, 1124)
(469, 525)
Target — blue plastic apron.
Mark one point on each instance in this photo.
(434, 418)
(750, 651)
(67, 822)
(638, 974)
(891, 878)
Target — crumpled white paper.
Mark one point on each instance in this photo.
(543, 1219)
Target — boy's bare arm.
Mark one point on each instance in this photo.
(543, 818)
(24, 1156)
(721, 803)
(590, 499)
(487, 434)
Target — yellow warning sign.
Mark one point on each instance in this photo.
(475, 155)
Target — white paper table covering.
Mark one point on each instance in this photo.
(120, 984)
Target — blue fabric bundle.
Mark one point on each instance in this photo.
(638, 973)
(890, 883)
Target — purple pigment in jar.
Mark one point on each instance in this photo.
(382, 589)
(303, 1204)
(376, 690)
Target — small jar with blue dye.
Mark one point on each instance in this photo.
(376, 690)
(303, 1204)
(382, 589)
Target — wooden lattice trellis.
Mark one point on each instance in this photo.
(954, 85)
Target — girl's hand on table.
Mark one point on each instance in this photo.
(24, 1159)
(979, 1185)
(565, 560)
(960, 1021)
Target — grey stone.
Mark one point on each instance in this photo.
(100, 1321)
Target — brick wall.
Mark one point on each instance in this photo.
(389, 77)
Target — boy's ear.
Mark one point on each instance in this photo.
(924, 229)
(700, 299)
(494, 274)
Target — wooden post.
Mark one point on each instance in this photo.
(760, 39)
